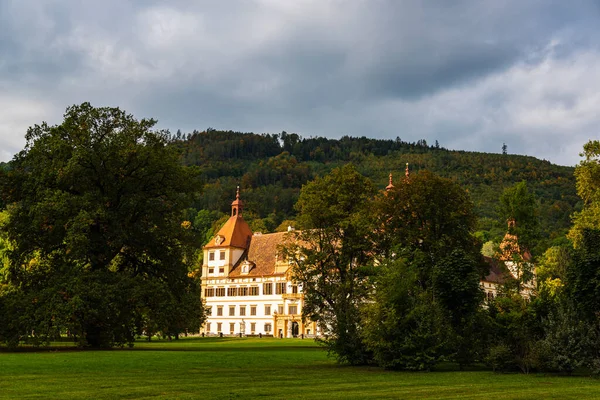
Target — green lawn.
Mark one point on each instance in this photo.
(249, 368)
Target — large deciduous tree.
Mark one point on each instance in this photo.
(427, 289)
(332, 257)
(95, 220)
(587, 175)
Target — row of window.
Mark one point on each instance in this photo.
(292, 309)
(267, 327)
(280, 288)
(211, 255)
(211, 270)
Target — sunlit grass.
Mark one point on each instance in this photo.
(215, 368)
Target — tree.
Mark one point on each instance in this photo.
(519, 208)
(587, 175)
(429, 214)
(425, 239)
(504, 149)
(332, 257)
(95, 218)
(583, 274)
(404, 328)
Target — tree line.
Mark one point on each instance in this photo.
(393, 277)
(271, 169)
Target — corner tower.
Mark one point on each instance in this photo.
(226, 248)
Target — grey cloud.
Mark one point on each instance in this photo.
(376, 68)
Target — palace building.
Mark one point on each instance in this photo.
(247, 287)
(246, 283)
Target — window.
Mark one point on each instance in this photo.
(211, 270)
(294, 289)
(253, 290)
(221, 270)
(252, 327)
(267, 327)
(232, 291)
(280, 288)
(219, 311)
(252, 311)
(293, 309)
(209, 292)
(208, 327)
(267, 288)
(220, 292)
(231, 310)
(268, 309)
(242, 311)
(243, 291)
(231, 327)
(222, 255)
(219, 326)
(280, 309)
(211, 256)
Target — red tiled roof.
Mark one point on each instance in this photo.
(498, 271)
(263, 253)
(235, 232)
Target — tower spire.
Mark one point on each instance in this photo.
(237, 205)
(390, 185)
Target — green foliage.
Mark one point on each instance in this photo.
(500, 358)
(489, 249)
(204, 224)
(332, 254)
(272, 168)
(427, 290)
(567, 341)
(456, 284)
(519, 205)
(404, 327)
(587, 175)
(428, 213)
(515, 331)
(583, 275)
(95, 216)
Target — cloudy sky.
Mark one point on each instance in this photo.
(470, 74)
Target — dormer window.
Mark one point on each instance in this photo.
(246, 267)
(219, 239)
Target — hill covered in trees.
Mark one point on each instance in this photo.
(271, 169)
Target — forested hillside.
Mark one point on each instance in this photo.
(271, 169)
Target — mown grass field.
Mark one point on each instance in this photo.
(253, 368)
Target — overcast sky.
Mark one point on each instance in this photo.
(470, 74)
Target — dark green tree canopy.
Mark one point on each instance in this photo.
(102, 188)
(96, 203)
(426, 212)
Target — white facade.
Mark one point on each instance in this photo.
(245, 284)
